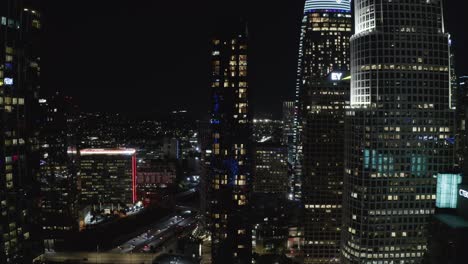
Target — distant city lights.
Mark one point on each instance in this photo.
(85, 152)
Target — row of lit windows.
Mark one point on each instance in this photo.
(14, 142)
(322, 206)
(404, 67)
(386, 256)
(11, 23)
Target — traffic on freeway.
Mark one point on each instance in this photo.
(157, 234)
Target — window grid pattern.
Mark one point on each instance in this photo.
(324, 48)
(19, 89)
(399, 132)
(230, 177)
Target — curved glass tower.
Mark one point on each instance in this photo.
(322, 94)
(399, 129)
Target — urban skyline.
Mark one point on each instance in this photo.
(229, 132)
(76, 39)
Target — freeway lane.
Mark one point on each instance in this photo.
(172, 233)
(137, 254)
(102, 258)
(156, 234)
(153, 233)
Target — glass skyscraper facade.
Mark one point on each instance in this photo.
(231, 158)
(20, 25)
(271, 169)
(399, 129)
(322, 94)
(462, 136)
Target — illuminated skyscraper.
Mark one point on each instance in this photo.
(107, 177)
(230, 178)
(20, 25)
(323, 93)
(399, 129)
(462, 122)
(271, 169)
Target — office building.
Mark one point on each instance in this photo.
(58, 171)
(170, 148)
(400, 129)
(271, 169)
(288, 128)
(107, 178)
(153, 178)
(323, 48)
(204, 137)
(448, 229)
(270, 215)
(288, 141)
(230, 175)
(20, 27)
(323, 159)
(462, 132)
(323, 93)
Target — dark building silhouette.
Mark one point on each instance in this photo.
(288, 129)
(230, 176)
(271, 169)
(20, 27)
(271, 215)
(462, 132)
(58, 170)
(448, 228)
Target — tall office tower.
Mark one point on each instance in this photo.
(455, 96)
(271, 169)
(288, 128)
(399, 129)
(462, 122)
(58, 182)
(324, 48)
(204, 137)
(322, 189)
(107, 178)
(453, 75)
(322, 96)
(19, 85)
(271, 213)
(230, 180)
(270, 208)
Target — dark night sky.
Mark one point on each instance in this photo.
(152, 56)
